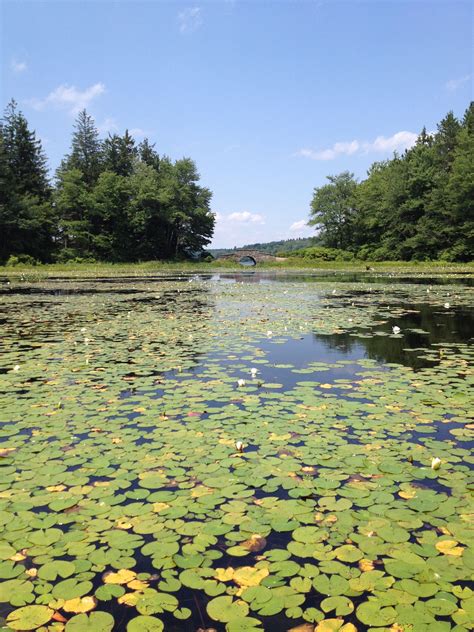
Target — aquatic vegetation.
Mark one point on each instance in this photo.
(126, 502)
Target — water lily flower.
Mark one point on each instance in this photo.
(435, 463)
(334, 291)
(447, 305)
(239, 446)
(396, 329)
(16, 367)
(240, 382)
(83, 329)
(253, 372)
(269, 333)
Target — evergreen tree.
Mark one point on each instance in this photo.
(26, 213)
(148, 154)
(26, 159)
(119, 154)
(86, 150)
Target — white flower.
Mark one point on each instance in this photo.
(239, 446)
(240, 382)
(253, 372)
(83, 329)
(16, 367)
(334, 291)
(269, 333)
(435, 463)
(447, 305)
(396, 330)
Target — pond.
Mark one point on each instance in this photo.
(126, 505)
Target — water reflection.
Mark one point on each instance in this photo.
(438, 327)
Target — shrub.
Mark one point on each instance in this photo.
(320, 253)
(456, 253)
(26, 260)
(67, 255)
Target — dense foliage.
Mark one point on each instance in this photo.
(419, 205)
(112, 200)
(320, 253)
(283, 245)
(271, 247)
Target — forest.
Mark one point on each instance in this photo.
(111, 200)
(116, 200)
(416, 206)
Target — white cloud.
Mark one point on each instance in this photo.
(190, 20)
(301, 229)
(453, 84)
(69, 98)
(238, 228)
(18, 66)
(399, 141)
(329, 154)
(296, 227)
(244, 218)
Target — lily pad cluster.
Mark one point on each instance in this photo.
(126, 505)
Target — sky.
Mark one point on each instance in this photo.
(268, 98)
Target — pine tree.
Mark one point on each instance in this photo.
(25, 156)
(148, 154)
(86, 149)
(26, 213)
(120, 154)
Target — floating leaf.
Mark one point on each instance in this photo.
(144, 623)
(29, 617)
(226, 609)
(93, 622)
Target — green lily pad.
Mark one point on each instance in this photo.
(144, 623)
(96, 621)
(226, 609)
(29, 617)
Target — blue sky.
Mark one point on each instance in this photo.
(267, 97)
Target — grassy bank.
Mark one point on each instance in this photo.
(151, 268)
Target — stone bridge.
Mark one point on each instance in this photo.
(243, 255)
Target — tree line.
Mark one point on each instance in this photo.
(111, 200)
(416, 206)
(271, 247)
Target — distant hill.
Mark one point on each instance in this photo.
(271, 247)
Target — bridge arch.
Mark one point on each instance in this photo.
(239, 254)
(247, 260)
